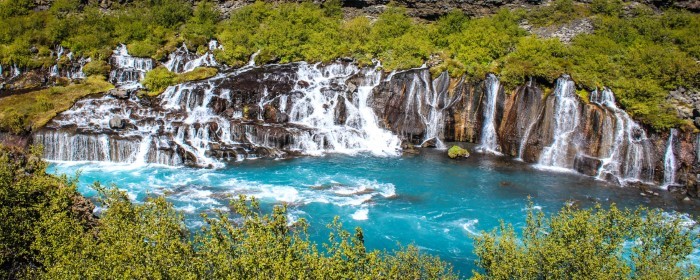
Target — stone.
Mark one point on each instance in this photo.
(457, 152)
(430, 143)
(116, 123)
(587, 165)
(408, 148)
(119, 93)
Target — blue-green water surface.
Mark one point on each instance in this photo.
(427, 200)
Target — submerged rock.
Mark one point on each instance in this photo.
(457, 152)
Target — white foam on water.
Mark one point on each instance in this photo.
(361, 214)
(189, 208)
(469, 226)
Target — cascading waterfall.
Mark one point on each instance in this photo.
(182, 60)
(321, 97)
(669, 162)
(73, 71)
(15, 72)
(566, 121)
(489, 138)
(127, 70)
(628, 157)
(428, 101)
(185, 127)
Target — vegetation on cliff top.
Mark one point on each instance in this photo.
(48, 231)
(24, 112)
(639, 53)
(158, 79)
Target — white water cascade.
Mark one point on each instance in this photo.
(127, 70)
(317, 108)
(74, 69)
(182, 60)
(15, 72)
(207, 122)
(489, 137)
(566, 121)
(627, 158)
(669, 162)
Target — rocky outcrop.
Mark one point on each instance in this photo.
(293, 109)
(564, 32)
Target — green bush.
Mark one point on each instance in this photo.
(158, 79)
(96, 67)
(640, 54)
(589, 244)
(48, 232)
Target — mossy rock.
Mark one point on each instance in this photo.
(457, 152)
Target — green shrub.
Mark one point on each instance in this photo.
(158, 79)
(49, 233)
(96, 67)
(589, 244)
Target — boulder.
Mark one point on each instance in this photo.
(408, 148)
(587, 165)
(116, 123)
(430, 143)
(457, 152)
(119, 93)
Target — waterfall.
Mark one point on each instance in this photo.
(182, 60)
(15, 72)
(73, 70)
(206, 122)
(669, 162)
(628, 158)
(489, 138)
(127, 70)
(566, 121)
(322, 98)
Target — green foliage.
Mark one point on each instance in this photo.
(457, 151)
(606, 7)
(640, 55)
(48, 233)
(589, 244)
(96, 67)
(9, 8)
(534, 57)
(25, 112)
(201, 27)
(158, 79)
(29, 198)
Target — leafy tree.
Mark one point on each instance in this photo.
(593, 243)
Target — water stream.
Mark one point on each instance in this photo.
(428, 200)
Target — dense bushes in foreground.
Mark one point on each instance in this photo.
(590, 244)
(47, 231)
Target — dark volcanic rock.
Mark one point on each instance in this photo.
(587, 165)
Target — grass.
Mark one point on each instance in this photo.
(159, 79)
(26, 112)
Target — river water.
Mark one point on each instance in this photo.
(427, 200)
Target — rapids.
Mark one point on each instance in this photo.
(427, 200)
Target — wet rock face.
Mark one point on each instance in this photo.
(300, 109)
